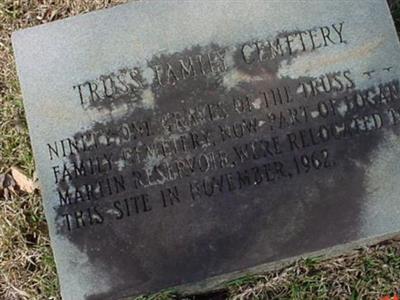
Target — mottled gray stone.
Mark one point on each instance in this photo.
(281, 139)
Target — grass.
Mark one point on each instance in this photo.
(365, 274)
(27, 269)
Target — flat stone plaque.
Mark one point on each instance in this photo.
(180, 141)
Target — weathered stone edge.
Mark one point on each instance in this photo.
(219, 282)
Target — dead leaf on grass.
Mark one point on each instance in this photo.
(7, 185)
(24, 183)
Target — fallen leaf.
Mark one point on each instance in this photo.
(7, 184)
(24, 182)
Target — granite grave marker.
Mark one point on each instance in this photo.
(179, 141)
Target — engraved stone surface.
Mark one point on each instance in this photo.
(178, 141)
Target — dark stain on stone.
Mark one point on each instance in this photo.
(196, 239)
